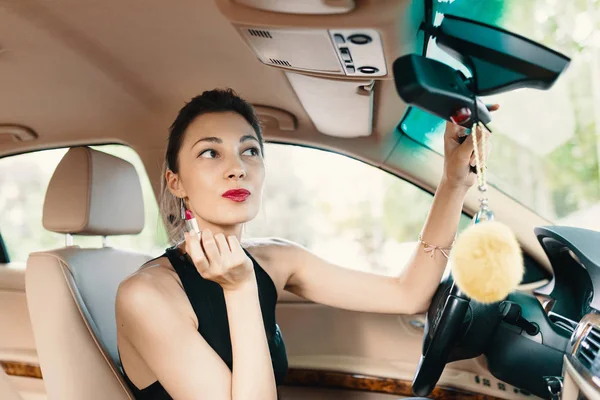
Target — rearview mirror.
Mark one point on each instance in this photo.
(498, 60)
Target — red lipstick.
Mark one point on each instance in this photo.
(190, 222)
(237, 195)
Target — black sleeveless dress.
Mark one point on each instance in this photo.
(208, 302)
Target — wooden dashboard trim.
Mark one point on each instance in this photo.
(350, 381)
(312, 378)
(23, 369)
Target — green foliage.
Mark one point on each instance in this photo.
(487, 11)
(565, 179)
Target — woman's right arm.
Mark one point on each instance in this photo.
(170, 345)
(253, 376)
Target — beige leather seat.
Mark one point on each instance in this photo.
(7, 391)
(71, 291)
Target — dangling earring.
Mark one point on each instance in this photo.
(182, 208)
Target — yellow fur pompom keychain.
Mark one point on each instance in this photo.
(487, 263)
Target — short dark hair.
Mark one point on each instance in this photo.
(210, 101)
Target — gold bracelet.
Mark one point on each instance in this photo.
(431, 249)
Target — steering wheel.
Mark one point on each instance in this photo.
(443, 329)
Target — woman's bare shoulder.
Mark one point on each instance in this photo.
(154, 284)
(273, 247)
(264, 250)
(155, 272)
(278, 256)
(154, 280)
(268, 244)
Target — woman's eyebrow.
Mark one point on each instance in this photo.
(248, 137)
(214, 139)
(211, 139)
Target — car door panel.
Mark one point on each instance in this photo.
(18, 356)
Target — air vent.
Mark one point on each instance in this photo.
(280, 62)
(260, 33)
(589, 347)
(567, 324)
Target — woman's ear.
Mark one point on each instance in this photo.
(174, 184)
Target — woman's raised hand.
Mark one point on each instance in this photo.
(459, 156)
(220, 259)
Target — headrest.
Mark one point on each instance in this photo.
(94, 193)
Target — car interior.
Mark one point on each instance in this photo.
(353, 96)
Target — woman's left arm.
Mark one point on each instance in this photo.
(411, 292)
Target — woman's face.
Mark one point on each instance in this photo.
(220, 152)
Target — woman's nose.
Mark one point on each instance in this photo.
(237, 174)
(236, 171)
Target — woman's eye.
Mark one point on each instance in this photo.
(209, 153)
(253, 152)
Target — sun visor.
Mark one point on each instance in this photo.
(337, 108)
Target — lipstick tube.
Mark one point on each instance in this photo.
(190, 223)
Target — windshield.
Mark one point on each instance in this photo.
(546, 144)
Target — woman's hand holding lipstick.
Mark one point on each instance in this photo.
(220, 259)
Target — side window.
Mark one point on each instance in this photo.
(24, 179)
(345, 211)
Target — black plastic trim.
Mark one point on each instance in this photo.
(4, 258)
(428, 22)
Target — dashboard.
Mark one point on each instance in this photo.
(574, 305)
(574, 254)
(581, 369)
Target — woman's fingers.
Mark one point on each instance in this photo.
(219, 259)
(454, 131)
(194, 250)
(241, 263)
(210, 247)
(224, 250)
(222, 244)
(237, 253)
(235, 246)
(465, 149)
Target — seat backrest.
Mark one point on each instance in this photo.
(71, 291)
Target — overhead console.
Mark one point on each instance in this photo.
(351, 52)
(344, 52)
(331, 51)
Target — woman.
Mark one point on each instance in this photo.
(199, 321)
